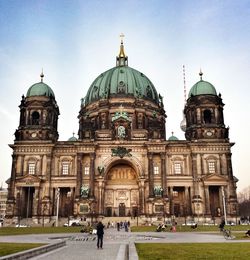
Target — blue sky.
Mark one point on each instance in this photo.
(74, 41)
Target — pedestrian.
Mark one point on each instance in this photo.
(222, 224)
(100, 233)
(126, 226)
(118, 226)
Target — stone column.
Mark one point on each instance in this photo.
(171, 189)
(163, 174)
(142, 188)
(100, 196)
(207, 201)
(187, 200)
(36, 202)
(195, 173)
(92, 175)
(150, 175)
(79, 175)
(21, 165)
(12, 178)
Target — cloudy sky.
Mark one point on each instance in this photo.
(74, 41)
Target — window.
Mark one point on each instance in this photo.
(65, 168)
(156, 170)
(211, 167)
(177, 168)
(32, 168)
(35, 118)
(207, 116)
(86, 170)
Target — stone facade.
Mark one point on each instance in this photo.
(121, 164)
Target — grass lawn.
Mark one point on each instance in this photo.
(4, 231)
(164, 251)
(200, 228)
(11, 248)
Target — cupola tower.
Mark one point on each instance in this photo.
(38, 114)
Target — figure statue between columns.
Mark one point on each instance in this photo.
(84, 192)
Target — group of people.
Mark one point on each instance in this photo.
(163, 227)
(125, 225)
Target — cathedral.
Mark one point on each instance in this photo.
(121, 163)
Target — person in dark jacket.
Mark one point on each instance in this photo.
(100, 233)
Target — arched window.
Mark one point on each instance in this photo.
(207, 115)
(35, 118)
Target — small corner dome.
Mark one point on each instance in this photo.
(202, 88)
(72, 139)
(40, 89)
(173, 138)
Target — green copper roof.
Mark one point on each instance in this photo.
(72, 139)
(202, 88)
(40, 89)
(172, 138)
(121, 80)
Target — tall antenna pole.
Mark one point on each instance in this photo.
(184, 81)
(183, 124)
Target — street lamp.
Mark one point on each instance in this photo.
(224, 204)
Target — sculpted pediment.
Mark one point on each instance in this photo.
(215, 179)
(28, 180)
(121, 116)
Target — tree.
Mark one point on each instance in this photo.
(244, 204)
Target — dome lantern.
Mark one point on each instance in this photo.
(122, 59)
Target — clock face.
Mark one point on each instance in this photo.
(33, 134)
(209, 133)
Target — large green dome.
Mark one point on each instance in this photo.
(40, 89)
(121, 80)
(202, 88)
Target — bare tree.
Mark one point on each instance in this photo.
(244, 204)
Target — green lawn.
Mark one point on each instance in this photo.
(4, 231)
(164, 251)
(11, 248)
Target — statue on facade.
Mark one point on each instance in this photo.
(158, 190)
(121, 132)
(84, 192)
(100, 169)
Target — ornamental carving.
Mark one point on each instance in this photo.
(121, 152)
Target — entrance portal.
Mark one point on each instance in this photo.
(25, 202)
(122, 210)
(121, 191)
(214, 201)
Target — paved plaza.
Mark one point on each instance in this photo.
(83, 246)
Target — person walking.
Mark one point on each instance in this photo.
(100, 233)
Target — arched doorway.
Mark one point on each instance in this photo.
(121, 190)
